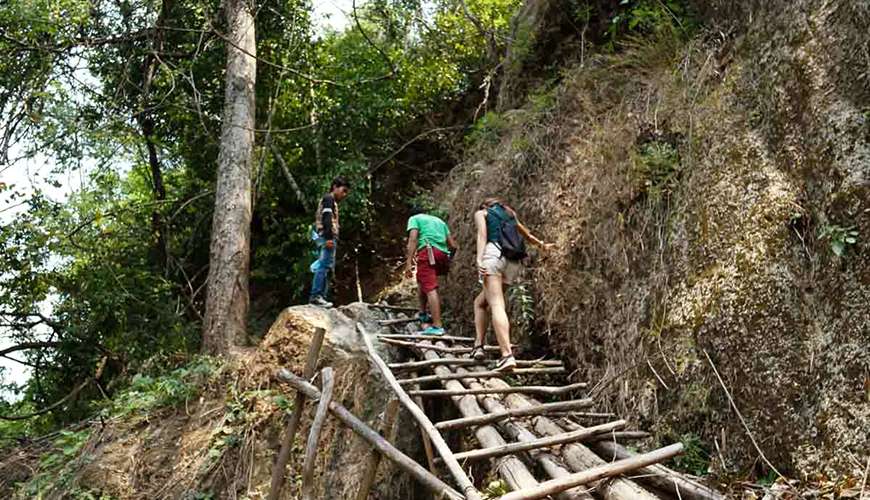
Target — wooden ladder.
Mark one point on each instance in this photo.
(476, 391)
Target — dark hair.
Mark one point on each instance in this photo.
(417, 210)
(339, 182)
(493, 200)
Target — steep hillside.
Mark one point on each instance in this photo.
(708, 196)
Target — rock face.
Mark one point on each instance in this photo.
(358, 386)
(701, 195)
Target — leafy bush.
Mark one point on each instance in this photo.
(657, 166)
(696, 455)
(839, 237)
(487, 129)
(146, 393)
(649, 17)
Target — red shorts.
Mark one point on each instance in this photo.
(427, 274)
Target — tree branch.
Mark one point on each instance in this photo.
(27, 345)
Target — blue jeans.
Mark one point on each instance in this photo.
(321, 267)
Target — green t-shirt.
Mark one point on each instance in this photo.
(433, 231)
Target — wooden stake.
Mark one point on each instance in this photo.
(293, 424)
(459, 423)
(437, 440)
(314, 435)
(371, 468)
(545, 442)
(528, 389)
(594, 474)
(414, 365)
(404, 462)
(486, 374)
(427, 443)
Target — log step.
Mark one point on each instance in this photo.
(397, 321)
(528, 389)
(451, 338)
(546, 442)
(554, 486)
(416, 365)
(486, 374)
(460, 423)
(436, 348)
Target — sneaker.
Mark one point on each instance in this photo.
(433, 330)
(424, 317)
(320, 302)
(478, 353)
(506, 364)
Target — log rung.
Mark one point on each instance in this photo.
(417, 345)
(450, 338)
(416, 365)
(546, 408)
(545, 442)
(486, 374)
(554, 486)
(530, 389)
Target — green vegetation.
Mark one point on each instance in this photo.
(657, 167)
(696, 456)
(839, 238)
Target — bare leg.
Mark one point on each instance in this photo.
(421, 297)
(434, 307)
(481, 318)
(492, 287)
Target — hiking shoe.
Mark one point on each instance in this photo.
(424, 317)
(320, 302)
(478, 353)
(506, 364)
(433, 330)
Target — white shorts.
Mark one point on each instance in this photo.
(496, 265)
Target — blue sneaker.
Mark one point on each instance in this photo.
(433, 330)
(424, 317)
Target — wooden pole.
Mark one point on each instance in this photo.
(371, 468)
(293, 423)
(389, 307)
(428, 363)
(427, 443)
(545, 442)
(437, 440)
(449, 338)
(576, 456)
(658, 475)
(397, 321)
(314, 435)
(526, 389)
(424, 345)
(404, 462)
(596, 473)
(510, 468)
(495, 416)
(486, 374)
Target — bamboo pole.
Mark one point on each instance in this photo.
(620, 436)
(404, 462)
(397, 321)
(427, 444)
(545, 442)
(293, 424)
(423, 345)
(576, 456)
(371, 469)
(428, 363)
(658, 475)
(526, 389)
(596, 473)
(495, 416)
(437, 440)
(314, 435)
(551, 464)
(485, 374)
(510, 468)
(389, 307)
(397, 336)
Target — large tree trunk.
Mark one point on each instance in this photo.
(226, 305)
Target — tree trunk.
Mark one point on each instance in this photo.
(226, 305)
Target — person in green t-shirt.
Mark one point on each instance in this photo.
(430, 246)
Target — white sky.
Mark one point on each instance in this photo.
(333, 13)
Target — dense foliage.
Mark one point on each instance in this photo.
(126, 97)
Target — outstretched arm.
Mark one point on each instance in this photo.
(524, 231)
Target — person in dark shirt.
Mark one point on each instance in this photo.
(325, 235)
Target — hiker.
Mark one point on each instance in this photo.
(500, 252)
(430, 246)
(325, 236)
